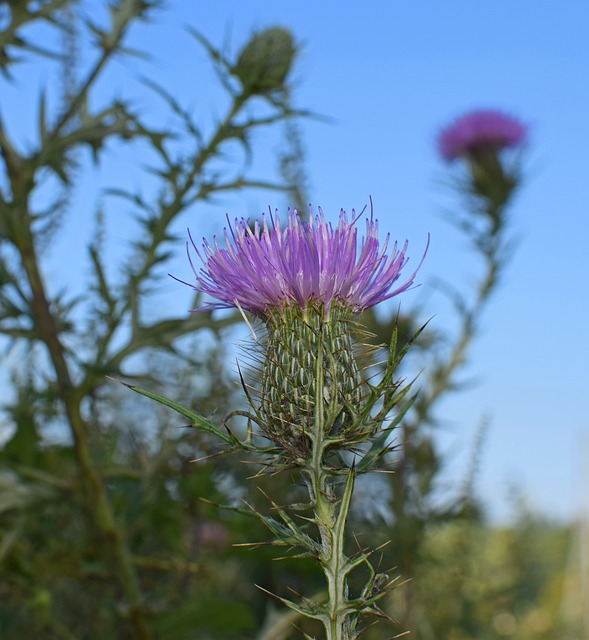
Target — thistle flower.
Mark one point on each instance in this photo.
(268, 268)
(479, 132)
(479, 138)
(307, 282)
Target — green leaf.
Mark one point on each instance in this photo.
(379, 446)
(197, 421)
(43, 116)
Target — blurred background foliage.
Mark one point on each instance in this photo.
(103, 530)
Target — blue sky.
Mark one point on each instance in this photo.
(389, 75)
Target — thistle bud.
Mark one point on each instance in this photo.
(265, 61)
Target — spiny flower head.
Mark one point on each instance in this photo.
(268, 267)
(480, 131)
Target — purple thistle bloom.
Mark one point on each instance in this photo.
(480, 131)
(305, 264)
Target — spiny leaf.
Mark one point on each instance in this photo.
(197, 421)
(379, 446)
(304, 611)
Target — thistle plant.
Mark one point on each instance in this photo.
(484, 151)
(315, 411)
(61, 339)
(98, 526)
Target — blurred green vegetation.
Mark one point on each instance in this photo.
(103, 530)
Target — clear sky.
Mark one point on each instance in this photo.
(389, 75)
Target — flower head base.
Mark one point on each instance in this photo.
(268, 268)
(307, 363)
(480, 132)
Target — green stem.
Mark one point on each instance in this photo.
(334, 562)
(409, 531)
(331, 515)
(70, 395)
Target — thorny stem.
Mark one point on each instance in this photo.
(331, 514)
(110, 46)
(20, 229)
(98, 498)
(490, 247)
(19, 221)
(491, 250)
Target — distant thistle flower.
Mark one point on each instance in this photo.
(479, 132)
(479, 138)
(269, 268)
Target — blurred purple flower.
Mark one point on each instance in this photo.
(305, 264)
(481, 131)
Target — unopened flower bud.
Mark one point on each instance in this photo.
(265, 61)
